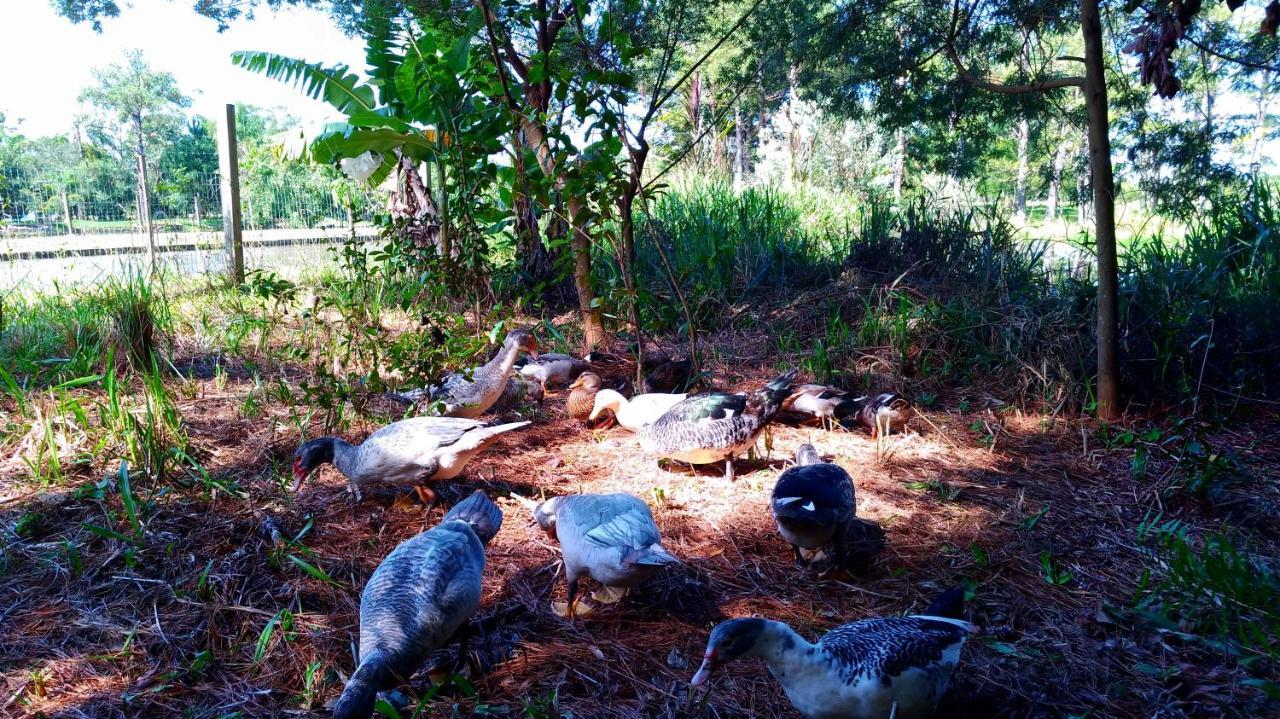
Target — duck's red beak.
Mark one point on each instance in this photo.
(709, 665)
(298, 474)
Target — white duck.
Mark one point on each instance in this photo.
(411, 451)
(636, 412)
(895, 667)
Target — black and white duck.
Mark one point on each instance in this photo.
(611, 538)
(411, 451)
(552, 369)
(827, 404)
(715, 426)
(636, 412)
(894, 667)
(813, 504)
(882, 414)
(416, 600)
(471, 394)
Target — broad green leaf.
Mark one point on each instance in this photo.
(335, 85)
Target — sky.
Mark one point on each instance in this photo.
(173, 38)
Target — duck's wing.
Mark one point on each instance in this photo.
(709, 407)
(881, 649)
(814, 492)
(419, 434)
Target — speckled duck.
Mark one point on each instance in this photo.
(416, 599)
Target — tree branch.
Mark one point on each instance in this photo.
(1050, 83)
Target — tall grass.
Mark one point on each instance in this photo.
(1200, 315)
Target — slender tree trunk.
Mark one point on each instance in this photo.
(1020, 186)
(793, 135)
(1260, 123)
(1084, 201)
(538, 264)
(1055, 180)
(899, 162)
(1095, 96)
(579, 240)
(739, 152)
(144, 196)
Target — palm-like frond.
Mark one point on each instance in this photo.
(334, 85)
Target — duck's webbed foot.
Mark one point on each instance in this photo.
(609, 595)
(426, 495)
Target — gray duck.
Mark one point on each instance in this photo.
(471, 394)
(520, 390)
(552, 369)
(894, 667)
(715, 426)
(416, 600)
(411, 451)
(611, 538)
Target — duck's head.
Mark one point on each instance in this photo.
(545, 515)
(589, 381)
(607, 399)
(729, 640)
(523, 341)
(309, 456)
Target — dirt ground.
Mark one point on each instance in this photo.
(991, 498)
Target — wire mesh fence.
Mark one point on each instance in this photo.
(36, 203)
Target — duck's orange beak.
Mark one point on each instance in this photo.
(576, 383)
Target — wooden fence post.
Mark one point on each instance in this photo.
(144, 214)
(66, 213)
(229, 172)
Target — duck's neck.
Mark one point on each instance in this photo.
(787, 653)
(502, 362)
(346, 457)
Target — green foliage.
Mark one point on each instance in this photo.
(1199, 312)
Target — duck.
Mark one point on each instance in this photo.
(813, 504)
(518, 391)
(411, 451)
(820, 401)
(636, 412)
(553, 368)
(471, 394)
(417, 599)
(611, 538)
(582, 396)
(881, 668)
(715, 426)
(883, 414)
(669, 377)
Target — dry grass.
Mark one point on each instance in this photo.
(83, 634)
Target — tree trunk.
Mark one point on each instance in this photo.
(1020, 187)
(739, 152)
(1055, 180)
(793, 137)
(144, 196)
(1084, 203)
(1095, 97)
(899, 162)
(579, 239)
(588, 306)
(1260, 123)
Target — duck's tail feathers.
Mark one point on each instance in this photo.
(480, 512)
(481, 437)
(769, 398)
(412, 396)
(948, 604)
(654, 554)
(362, 688)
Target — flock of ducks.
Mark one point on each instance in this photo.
(430, 585)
